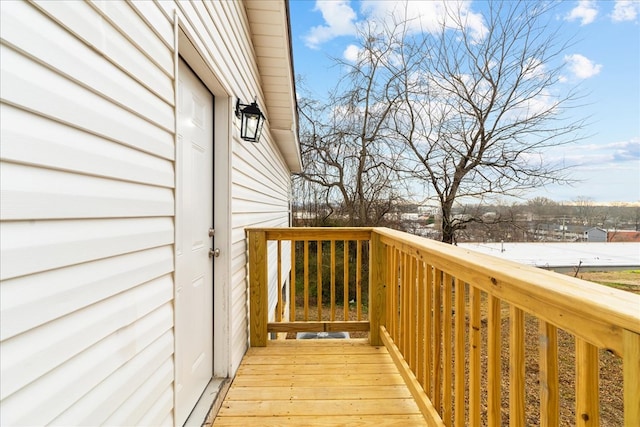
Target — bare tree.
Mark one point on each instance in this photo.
(463, 115)
(480, 108)
(585, 209)
(345, 141)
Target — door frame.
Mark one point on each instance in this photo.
(187, 49)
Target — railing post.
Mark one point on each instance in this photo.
(377, 291)
(258, 297)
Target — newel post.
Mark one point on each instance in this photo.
(377, 288)
(258, 297)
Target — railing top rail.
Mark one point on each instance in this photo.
(523, 285)
(316, 233)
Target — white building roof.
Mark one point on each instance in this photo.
(555, 255)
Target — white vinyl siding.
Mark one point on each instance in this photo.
(260, 199)
(260, 179)
(87, 205)
(87, 164)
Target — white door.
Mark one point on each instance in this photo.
(194, 267)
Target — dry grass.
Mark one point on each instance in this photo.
(627, 280)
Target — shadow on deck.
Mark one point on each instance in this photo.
(319, 382)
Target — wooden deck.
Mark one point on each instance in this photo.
(318, 383)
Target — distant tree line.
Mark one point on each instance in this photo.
(520, 221)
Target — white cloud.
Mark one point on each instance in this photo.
(627, 151)
(585, 11)
(351, 53)
(625, 10)
(339, 18)
(424, 15)
(610, 155)
(581, 66)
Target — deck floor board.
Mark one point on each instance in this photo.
(318, 383)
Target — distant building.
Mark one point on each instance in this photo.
(623, 236)
(429, 209)
(596, 234)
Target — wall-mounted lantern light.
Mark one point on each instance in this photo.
(251, 122)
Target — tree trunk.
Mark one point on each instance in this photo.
(448, 231)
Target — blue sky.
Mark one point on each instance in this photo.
(604, 62)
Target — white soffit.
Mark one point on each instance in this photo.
(269, 24)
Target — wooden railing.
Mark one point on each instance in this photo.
(474, 336)
(332, 292)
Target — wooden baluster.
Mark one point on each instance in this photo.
(396, 294)
(516, 367)
(279, 281)
(412, 314)
(406, 311)
(402, 303)
(292, 285)
(333, 280)
(631, 373)
(306, 281)
(392, 292)
(587, 395)
(429, 307)
(447, 323)
(319, 279)
(474, 358)
(359, 279)
(548, 366)
(459, 354)
(390, 306)
(422, 314)
(346, 280)
(437, 340)
(494, 362)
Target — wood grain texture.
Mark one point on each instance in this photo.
(631, 374)
(493, 363)
(447, 351)
(258, 301)
(378, 278)
(587, 376)
(459, 353)
(319, 382)
(474, 357)
(426, 407)
(549, 384)
(516, 367)
(328, 326)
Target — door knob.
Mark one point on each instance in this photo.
(214, 253)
